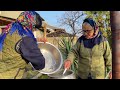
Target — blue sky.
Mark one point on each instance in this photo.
(51, 18)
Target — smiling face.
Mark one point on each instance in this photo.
(88, 30)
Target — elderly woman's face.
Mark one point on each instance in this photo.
(88, 30)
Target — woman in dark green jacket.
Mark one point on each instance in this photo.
(92, 51)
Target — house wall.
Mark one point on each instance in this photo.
(57, 40)
(38, 34)
(10, 14)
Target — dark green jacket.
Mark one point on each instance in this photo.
(92, 60)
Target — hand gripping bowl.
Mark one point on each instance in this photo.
(53, 58)
(52, 55)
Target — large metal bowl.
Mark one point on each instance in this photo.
(69, 74)
(53, 58)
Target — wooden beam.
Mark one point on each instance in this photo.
(7, 19)
(45, 30)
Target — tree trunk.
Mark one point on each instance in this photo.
(115, 27)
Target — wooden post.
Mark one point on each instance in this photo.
(45, 30)
(115, 27)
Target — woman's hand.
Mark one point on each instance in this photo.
(42, 40)
(110, 74)
(7, 28)
(67, 64)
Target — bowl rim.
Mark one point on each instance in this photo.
(72, 73)
(43, 72)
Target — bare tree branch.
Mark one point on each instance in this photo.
(71, 19)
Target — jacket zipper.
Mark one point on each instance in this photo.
(90, 61)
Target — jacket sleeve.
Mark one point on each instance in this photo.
(74, 52)
(108, 56)
(31, 53)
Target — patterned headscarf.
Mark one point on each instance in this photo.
(24, 24)
(30, 19)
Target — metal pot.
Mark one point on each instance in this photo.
(53, 58)
(69, 74)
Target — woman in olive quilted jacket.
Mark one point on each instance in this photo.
(92, 51)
